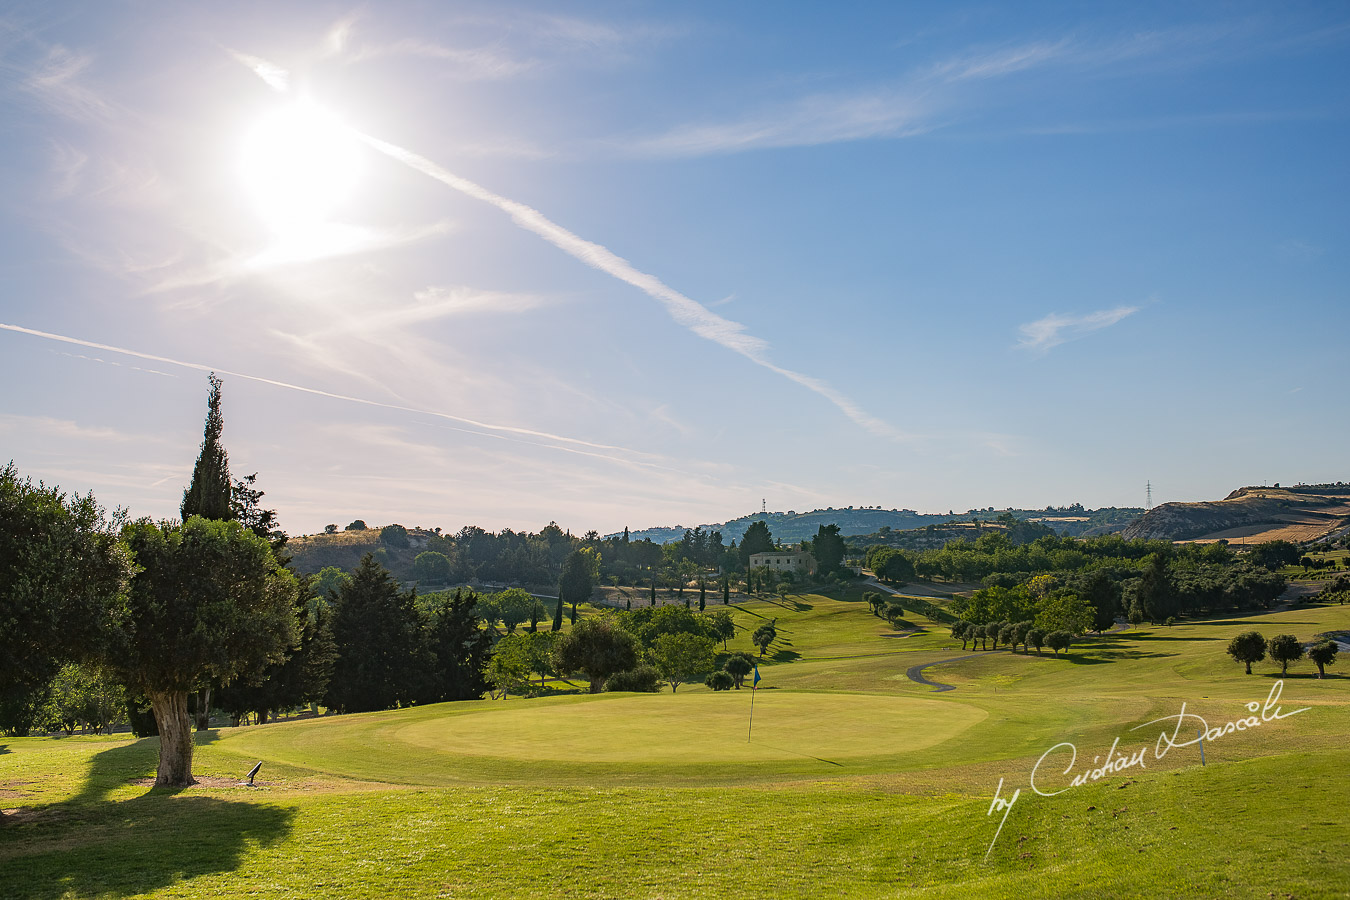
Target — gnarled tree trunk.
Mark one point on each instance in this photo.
(175, 738)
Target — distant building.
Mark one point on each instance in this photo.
(795, 561)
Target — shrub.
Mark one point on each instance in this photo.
(642, 680)
(720, 680)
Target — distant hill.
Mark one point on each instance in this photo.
(1251, 515)
(792, 526)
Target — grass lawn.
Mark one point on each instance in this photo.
(856, 782)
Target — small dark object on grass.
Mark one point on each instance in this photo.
(251, 773)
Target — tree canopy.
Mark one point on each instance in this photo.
(62, 569)
(597, 648)
(209, 602)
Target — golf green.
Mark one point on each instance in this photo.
(707, 727)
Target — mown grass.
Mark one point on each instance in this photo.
(858, 783)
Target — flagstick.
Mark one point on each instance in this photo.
(753, 690)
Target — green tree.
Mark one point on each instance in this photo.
(757, 539)
(681, 657)
(896, 567)
(459, 650)
(720, 680)
(597, 648)
(763, 636)
(246, 508)
(432, 566)
(381, 647)
(1058, 640)
(1275, 554)
(301, 678)
(1156, 592)
(1248, 647)
(828, 549)
(1323, 654)
(1102, 595)
(209, 603)
(895, 613)
(62, 571)
(723, 626)
(739, 665)
(1064, 611)
(356, 525)
(642, 679)
(84, 696)
(540, 646)
(580, 570)
(514, 606)
(208, 493)
(395, 536)
(1284, 649)
(509, 667)
(1036, 638)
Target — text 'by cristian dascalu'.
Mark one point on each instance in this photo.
(1117, 761)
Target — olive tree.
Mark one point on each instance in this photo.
(1248, 647)
(597, 648)
(1284, 649)
(209, 602)
(764, 636)
(738, 666)
(1324, 654)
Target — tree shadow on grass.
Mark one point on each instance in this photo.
(90, 845)
(785, 655)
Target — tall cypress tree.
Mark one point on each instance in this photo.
(208, 495)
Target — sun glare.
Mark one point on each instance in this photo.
(299, 164)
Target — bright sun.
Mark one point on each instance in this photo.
(299, 164)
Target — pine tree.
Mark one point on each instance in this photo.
(462, 649)
(208, 494)
(380, 642)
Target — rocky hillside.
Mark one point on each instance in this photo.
(1250, 514)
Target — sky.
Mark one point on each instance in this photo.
(632, 264)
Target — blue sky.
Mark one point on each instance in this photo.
(635, 263)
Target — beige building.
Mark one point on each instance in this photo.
(795, 561)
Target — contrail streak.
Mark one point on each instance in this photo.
(684, 310)
(483, 429)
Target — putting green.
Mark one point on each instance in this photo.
(615, 737)
(693, 728)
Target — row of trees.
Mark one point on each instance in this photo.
(1011, 634)
(999, 556)
(1159, 586)
(1251, 647)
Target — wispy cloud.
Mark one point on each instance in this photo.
(1000, 62)
(1056, 329)
(59, 84)
(277, 78)
(810, 121)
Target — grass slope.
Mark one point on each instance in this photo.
(857, 783)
